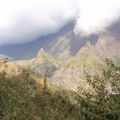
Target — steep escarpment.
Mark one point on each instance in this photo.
(68, 72)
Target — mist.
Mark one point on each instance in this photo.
(23, 21)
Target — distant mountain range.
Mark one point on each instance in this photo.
(64, 42)
(64, 57)
(68, 70)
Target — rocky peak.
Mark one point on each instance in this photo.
(88, 44)
(86, 48)
(42, 54)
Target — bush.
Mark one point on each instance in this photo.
(103, 101)
(26, 100)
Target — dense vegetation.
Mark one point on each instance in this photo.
(24, 99)
(103, 101)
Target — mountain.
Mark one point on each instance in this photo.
(55, 44)
(108, 44)
(40, 64)
(53, 83)
(72, 73)
(86, 61)
(63, 42)
(65, 57)
(29, 50)
(66, 69)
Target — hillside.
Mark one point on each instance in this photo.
(59, 59)
(24, 99)
(46, 88)
(87, 60)
(63, 40)
(68, 71)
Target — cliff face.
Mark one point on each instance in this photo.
(68, 71)
(72, 73)
(87, 60)
(108, 45)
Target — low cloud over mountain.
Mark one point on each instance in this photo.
(24, 21)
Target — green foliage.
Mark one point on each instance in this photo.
(14, 99)
(103, 101)
(22, 99)
(55, 106)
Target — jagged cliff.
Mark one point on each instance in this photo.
(69, 72)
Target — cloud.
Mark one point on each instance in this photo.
(96, 15)
(23, 21)
(26, 20)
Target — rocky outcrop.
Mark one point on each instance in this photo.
(40, 64)
(69, 72)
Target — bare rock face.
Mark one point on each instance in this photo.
(68, 72)
(71, 74)
(108, 46)
(87, 60)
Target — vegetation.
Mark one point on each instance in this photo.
(24, 99)
(103, 101)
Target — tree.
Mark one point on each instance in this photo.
(103, 101)
(45, 75)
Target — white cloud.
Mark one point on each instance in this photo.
(95, 15)
(26, 20)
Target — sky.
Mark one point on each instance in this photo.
(24, 21)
